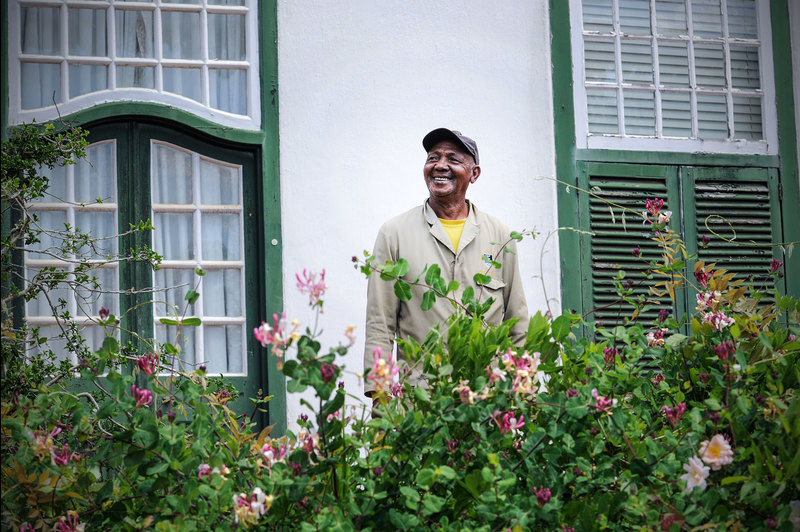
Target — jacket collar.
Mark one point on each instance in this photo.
(437, 229)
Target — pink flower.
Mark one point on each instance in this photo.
(696, 474)
(495, 374)
(674, 413)
(465, 393)
(724, 350)
(656, 338)
(350, 333)
(667, 521)
(104, 313)
(60, 457)
(702, 277)
(309, 442)
(523, 368)
(602, 403)
(278, 336)
(705, 240)
(610, 355)
(542, 495)
(204, 470)
(658, 378)
(272, 455)
(26, 527)
(247, 509)
(716, 452)
(69, 523)
(383, 372)
(708, 300)
(775, 265)
(508, 423)
(148, 363)
(309, 285)
(328, 371)
(654, 206)
(141, 396)
(718, 320)
(637, 252)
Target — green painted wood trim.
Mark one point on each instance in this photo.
(566, 172)
(787, 135)
(680, 159)
(272, 262)
(4, 74)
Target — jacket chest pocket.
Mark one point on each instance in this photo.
(495, 290)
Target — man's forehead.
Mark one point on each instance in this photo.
(447, 146)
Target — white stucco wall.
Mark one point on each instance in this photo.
(361, 82)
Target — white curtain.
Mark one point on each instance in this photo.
(40, 34)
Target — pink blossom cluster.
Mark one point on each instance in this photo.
(702, 277)
(718, 320)
(708, 300)
(382, 373)
(278, 336)
(273, 453)
(508, 422)
(466, 394)
(204, 470)
(309, 285)
(43, 443)
(724, 350)
(674, 413)
(522, 368)
(716, 453)
(656, 338)
(610, 355)
(141, 396)
(148, 363)
(69, 523)
(542, 495)
(248, 508)
(660, 217)
(602, 403)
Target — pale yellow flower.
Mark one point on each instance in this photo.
(716, 452)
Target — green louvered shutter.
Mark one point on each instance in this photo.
(614, 207)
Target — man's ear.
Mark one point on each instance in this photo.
(476, 172)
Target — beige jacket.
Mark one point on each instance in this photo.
(419, 237)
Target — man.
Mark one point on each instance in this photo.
(450, 231)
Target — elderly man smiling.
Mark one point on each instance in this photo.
(450, 231)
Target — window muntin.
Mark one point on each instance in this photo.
(674, 75)
(200, 56)
(81, 197)
(198, 218)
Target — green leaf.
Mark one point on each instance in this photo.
(731, 480)
(675, 340)
(431, 504)
(402, 290)
(191, 296)
(199, 271)
(191, 322)
(425, 478)
(157, 468)
(452, 287)
(110, 344)
(434, 271)
(401, 267)
(560, 327)
(516, 236)
(577, 411)
(428, 300)
(168, 321)
(713, 404)
(481, 279)
(468, 295)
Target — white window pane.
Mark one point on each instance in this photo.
(84, 79)
(671, 17)
(603, 115)
(597, 16)
(94, 335)
(676, 111)
(91, 299)
(223, 349)
(707, 18)
(172, 175)
(228, 90)
(219, 185)
(712, 116)
(42, 82)
(637, 62)
(745, 72)
(136, 76)
(634, 17)
(673, 64)
(40, 30)
(221, 293)
(134, 33)
(226, 37)
(184, 81)
(87, 32)
(57, 184)
(709, 65)
(640, 115)
(49, 221)
(180, 2)
(101, 226)
(747, 118)
(599, 57)
(182, 338)
(227, 2)
(172, 285)
(173, 238)
(180, 35)
(55, 342)
(221, 237)
(742, 19)
(39, 306)
(95, 175)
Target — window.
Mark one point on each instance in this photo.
(197, 193)
(200, 56)
(674, 75)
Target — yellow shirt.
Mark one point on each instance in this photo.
(453, 228)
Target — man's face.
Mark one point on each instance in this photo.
(448, 171)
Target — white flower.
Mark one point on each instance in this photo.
(716, 452)
(696, 474)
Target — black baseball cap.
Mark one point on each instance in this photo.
(438, 135)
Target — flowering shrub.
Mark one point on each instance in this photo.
(669, 425)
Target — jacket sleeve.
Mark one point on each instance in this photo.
(382, 306)
(514, 295)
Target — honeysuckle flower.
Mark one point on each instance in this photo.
(663, 217)
(667, 521)
(705, 240)
(383, 372)
(148, 363)
(653, 206)
(718, 320)
(571, 392)
(724, 350)
(104, 313)
(717, 452)
(273, 454)
(43, 441)
(309, 285)
(223, 396)
(247, 509)
(465, 393)
(709, 300)
(508, 423)
(636, 252)
(656, 338)
(26, 527)
(674, 413)
(495, 374)
(775, 266)
(308, 442)
(696, 474)
(70, 523)
(702, 277)
(602, 403)
(663, 314)
(542, 495)
(278, 336)
(523, 369)
(350, 333)
(658, 378)
(60, 456)
(610, 355)
(141, 396)
(204, 470)
(328, 371)
(452, 445)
